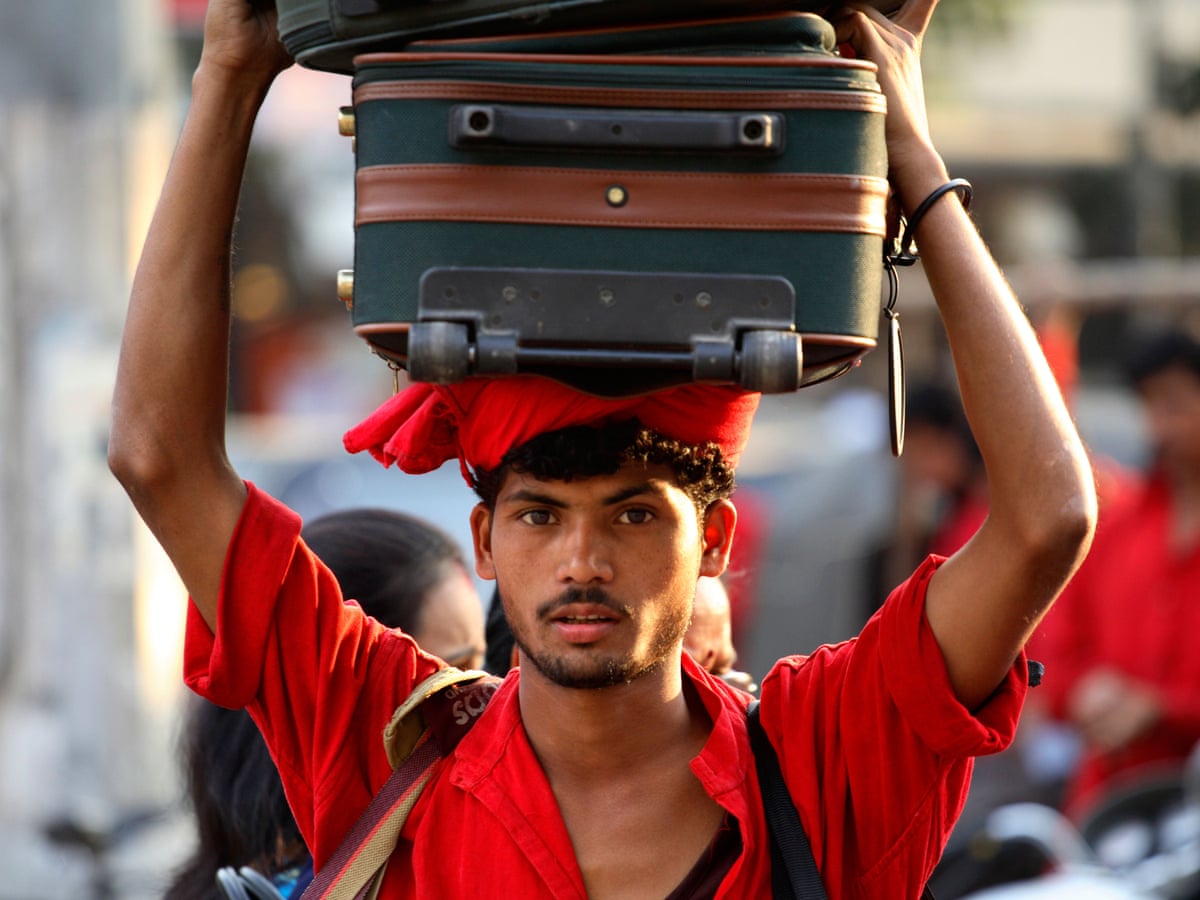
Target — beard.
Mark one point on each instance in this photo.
(593, 670)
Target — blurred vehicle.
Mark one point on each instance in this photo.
(1142, 841)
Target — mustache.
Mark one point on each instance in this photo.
(594, 595)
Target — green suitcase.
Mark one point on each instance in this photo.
(697, 203)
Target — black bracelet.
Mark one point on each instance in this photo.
(906, 252)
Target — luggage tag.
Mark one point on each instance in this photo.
(897, 405)
(902, 252)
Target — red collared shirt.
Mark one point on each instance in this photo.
(873, 744)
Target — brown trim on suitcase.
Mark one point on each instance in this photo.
(483, 91)
(546, 195)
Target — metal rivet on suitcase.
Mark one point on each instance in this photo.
(345, 287)
(616, 195)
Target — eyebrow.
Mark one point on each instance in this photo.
(524, 495)
(634, 490)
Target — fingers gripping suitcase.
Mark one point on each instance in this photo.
(326, 34)
(622, 221)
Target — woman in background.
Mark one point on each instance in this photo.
(402, 571)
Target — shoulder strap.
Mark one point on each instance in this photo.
(793, 870)
(414, 742)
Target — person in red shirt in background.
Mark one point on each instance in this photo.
(1120, 646)
(943, 469)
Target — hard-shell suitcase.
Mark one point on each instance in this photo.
(327, 34)
(622, 221)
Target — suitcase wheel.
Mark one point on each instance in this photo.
(438, 352)
(771, 361)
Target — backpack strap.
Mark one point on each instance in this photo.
(415, 739)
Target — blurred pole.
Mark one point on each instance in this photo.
(1153, 181)
(79, 85)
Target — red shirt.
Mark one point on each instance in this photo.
(1133, 606)
(873, 744)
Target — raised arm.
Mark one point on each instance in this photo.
(984, 602)
(167, 445)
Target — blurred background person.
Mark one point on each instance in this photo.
(709, 638)
(943, 471)
(1120, 644)
(403, 572)
(942, 493)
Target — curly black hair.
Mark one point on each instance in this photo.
(584, 451)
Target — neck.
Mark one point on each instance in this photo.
(593, 733)
(1185, 508)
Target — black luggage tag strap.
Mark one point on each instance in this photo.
(903, 252)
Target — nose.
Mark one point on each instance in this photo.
(585, 557)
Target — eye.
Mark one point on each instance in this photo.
(536, 517)
(635, 516)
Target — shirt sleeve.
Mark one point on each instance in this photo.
(319, 677)
(875, 747)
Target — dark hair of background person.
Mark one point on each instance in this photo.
(584, 451)
(499, 638)
(388, 562)
(1160, 351)
(939, 407)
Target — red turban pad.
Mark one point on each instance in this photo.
(479, 420)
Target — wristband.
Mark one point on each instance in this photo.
(906, 251)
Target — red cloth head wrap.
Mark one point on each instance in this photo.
(479, 420)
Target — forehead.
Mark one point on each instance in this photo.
(631, 480)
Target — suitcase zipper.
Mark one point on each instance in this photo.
(309, 36)
(732, 77)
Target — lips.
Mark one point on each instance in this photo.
(583, 623)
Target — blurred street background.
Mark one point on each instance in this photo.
(1078, 121)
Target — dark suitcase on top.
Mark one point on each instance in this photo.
(327, 34)
(622, 221)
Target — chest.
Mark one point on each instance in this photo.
(637, 839)
(640, 838)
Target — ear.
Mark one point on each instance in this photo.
(481, 538)
(720, 519)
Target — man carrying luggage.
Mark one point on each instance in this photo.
(609, 765)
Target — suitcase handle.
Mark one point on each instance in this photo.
(474, 125)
